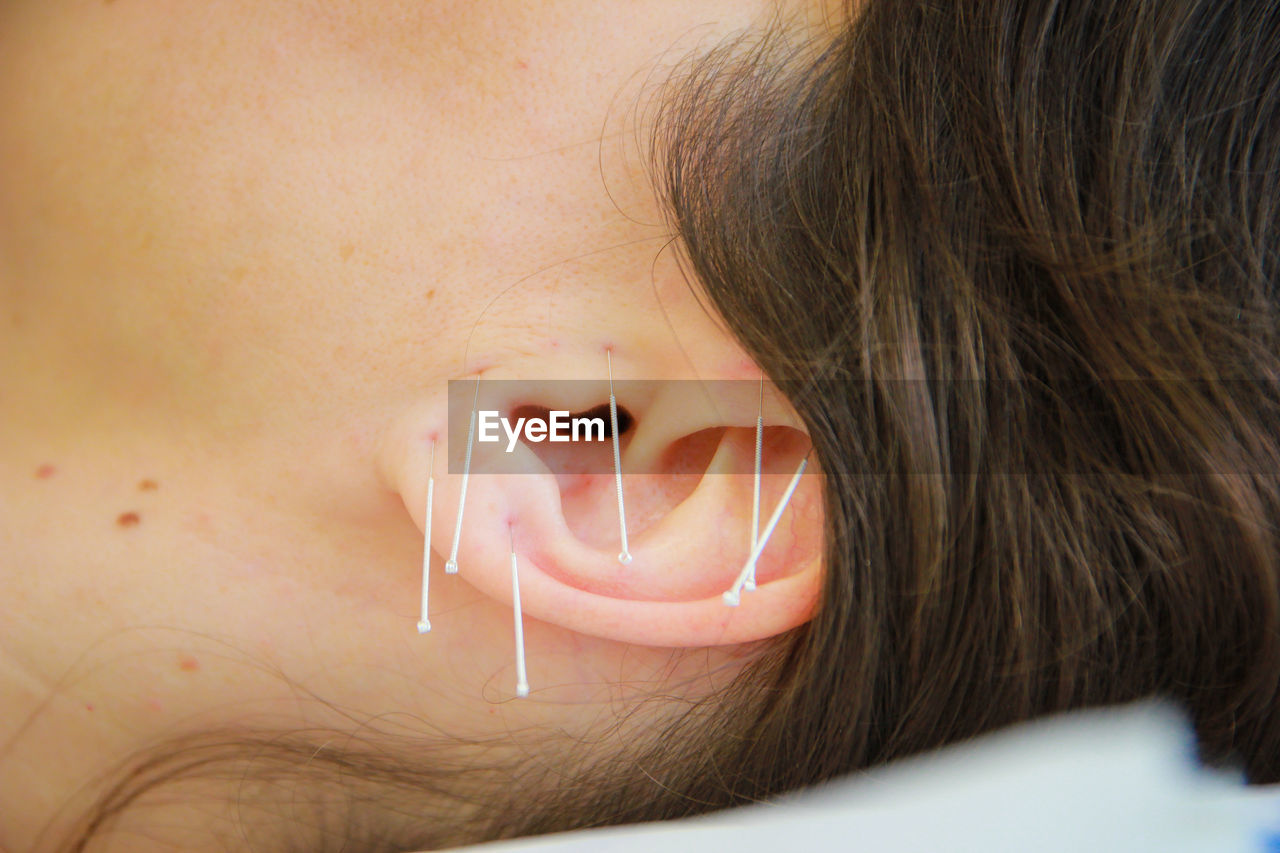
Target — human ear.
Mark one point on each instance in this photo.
(687, 458)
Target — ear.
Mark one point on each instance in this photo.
(688, 460)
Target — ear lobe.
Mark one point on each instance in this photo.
(688, 543)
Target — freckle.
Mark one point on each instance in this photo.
(346, 251)
(431, 294)
(129, 519)
(44, 472)
(200, 524)
(188, 664)
(148, 486)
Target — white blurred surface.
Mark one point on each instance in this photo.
(1114, 780)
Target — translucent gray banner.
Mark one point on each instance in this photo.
(1167, 427)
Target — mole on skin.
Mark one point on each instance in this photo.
(129, 519)
(148, 486)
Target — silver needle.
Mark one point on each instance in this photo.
(625, 556)
(424, 624)
(750, 582)
(522, 677)
(451, 566)
(731, 597)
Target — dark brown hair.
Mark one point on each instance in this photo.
(1014, 262)
(1020, 256)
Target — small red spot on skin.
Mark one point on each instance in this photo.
(129, 519)
(44, 472)
(88, 707)
(188, 664)
(522, 65)
(154, 705)
(200, 524)
(148, 486)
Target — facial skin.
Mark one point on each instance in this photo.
(243, 248)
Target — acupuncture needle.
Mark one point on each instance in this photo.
(624, 556)
(424, 624)
(732, 596)
(451, 566)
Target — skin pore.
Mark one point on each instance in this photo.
(243, 246)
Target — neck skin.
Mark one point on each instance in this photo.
(237, 241)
